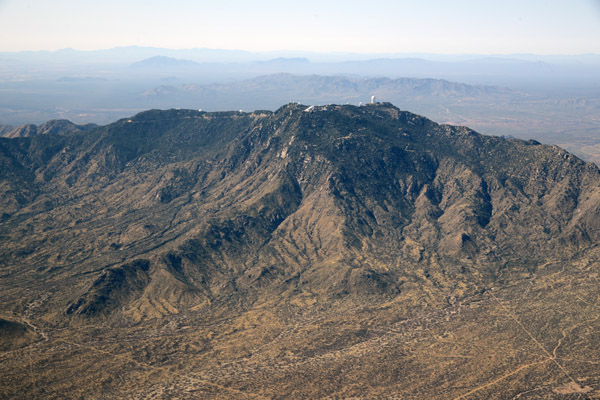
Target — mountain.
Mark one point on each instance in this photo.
(325, 251)
(431, 96)
(163, 62)
(103, 86)
(312, 88)
(283, 61)
(496, 110)
(57, 126)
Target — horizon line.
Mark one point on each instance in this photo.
(322, 53)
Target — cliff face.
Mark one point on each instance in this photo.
(179, 215)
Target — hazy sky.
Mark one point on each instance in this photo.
(365, 26)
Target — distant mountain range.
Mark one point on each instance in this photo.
(518, 71)
(163, 62)
(130, 54)
(273, 89)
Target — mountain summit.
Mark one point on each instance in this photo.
(308, 252)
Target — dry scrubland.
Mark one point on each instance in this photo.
(345, 252)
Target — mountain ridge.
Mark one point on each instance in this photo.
(163, 62)
(56, 126)
(262, 223)
(350, 88)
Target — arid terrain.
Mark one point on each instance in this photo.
(311, 252)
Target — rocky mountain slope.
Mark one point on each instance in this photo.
(56, 126)
(333, 251)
